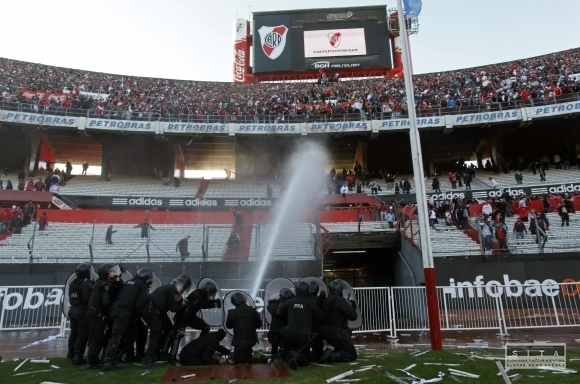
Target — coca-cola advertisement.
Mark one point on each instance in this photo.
(241, 54)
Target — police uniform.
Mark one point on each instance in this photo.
(276, 324)
(244, 320)
(79, 294)
(196, 301)
(334, 328)
(201, 350)
(163, 299)
(317, 341)
(101, 299)
(299, 311)
(127, 308)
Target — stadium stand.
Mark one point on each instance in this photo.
(538, 79)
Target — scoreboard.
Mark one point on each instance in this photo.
(314, 39)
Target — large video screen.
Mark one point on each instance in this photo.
(335, 42)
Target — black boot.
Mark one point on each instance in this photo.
(326, 357)
(108, 365)
(78, 360)
(148, 363)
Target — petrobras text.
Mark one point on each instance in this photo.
(337, 126)
(508, 287)
(405, 123)
(558, 109)
(119, 124)
(487, 117)
(191, 127)
(31, 298)
(268, 128)
(34, 118)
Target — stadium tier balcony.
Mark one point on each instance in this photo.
(290, 242)
(236, 188)
(507, 180)
(502, 85)
(447, 241)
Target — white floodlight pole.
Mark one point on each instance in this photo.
(423, 214)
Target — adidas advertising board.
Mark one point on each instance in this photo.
(184, 203)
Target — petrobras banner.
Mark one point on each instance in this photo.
(120, 125)
(274, 128)
(195, 128)
(339, 126)
(403, 124)
(38, 119)
(553, 110)
(484, 118)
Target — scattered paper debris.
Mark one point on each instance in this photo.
(346, 380)
(389, 375)
(558, 370)
(409, 367)
(455, 379)
(341, 376)
(363, 369)
(233, 381)
(28, 373)
(322, 365)
(457, 372)
(446, 364)
(188, 376)
(503, 372)
(49, 338)
(420, 353)
(145, 373)
(434, 380)
(49, 382)
(20, 365)
(55, 367)
(40, 361)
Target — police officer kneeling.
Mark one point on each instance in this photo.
(334, 328)
(244, 320)
(299, 312)
(201, 350)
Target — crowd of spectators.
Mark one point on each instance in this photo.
(541, 78)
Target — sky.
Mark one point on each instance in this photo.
(192, 39)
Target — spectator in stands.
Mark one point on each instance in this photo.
(176, 182)
(239, 221)
(28, 213)
(145, 227)
(42, 222)
(436, 185)
(542, 173)
(9, 184)
(1, 184)
(39, 186)
(501, 236)
(269, 191)
(545, 162)
(182, 247)
(519, 178)
(486, 232)
(406, 186)
(30, 185)
(432, 218)
(493, 183)
(519, 229)
(487, 210)
(557, 161)
(452, 180)
(374, 187)
(5, 218)
(563, 212)
(391, 218)
(68, 168)
(85, 168)
(343, 190)
(109, 235)
(360, 209)
(233, 243)
(21, 184)
(54, 188)
(21, 175)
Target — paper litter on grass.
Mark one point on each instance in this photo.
(49, 338)
(446, 364)
(503, 372)
(55, 367)
(188, 376)
(43, 361)
(434, 380)
(341, 376)
(463, 373)
(20, 365)
(28, 373)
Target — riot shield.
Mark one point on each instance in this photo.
(348, 294)
(156, 284)
(272, 291)
(214, 317)
(65, 299)
(126, 276)
(321, 285)
(227, 305)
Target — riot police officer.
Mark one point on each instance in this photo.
(277, 323)
(164, 353)
(163, 299)
(317, 342)
(245, 320)
(201, 298)
(334, 328)
(127, 308)
(299, 311)
(79, 293)
(101, 299)
(201, 350)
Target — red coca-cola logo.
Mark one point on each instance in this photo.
(239, 64)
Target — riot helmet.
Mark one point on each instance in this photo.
(313, 288)
(209, 288)
(335, 288)
(106, 269)
(146, 275)
(188, 282)
(83, 271)
(286, 294)
(238, 298)
(179, 284)
(302, 289)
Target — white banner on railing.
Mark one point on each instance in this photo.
(540, 111)
(38, 119)
(121, 125)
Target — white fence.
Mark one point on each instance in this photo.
(384, 309)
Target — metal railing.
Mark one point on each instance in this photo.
(272, 118)
(465, 306)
